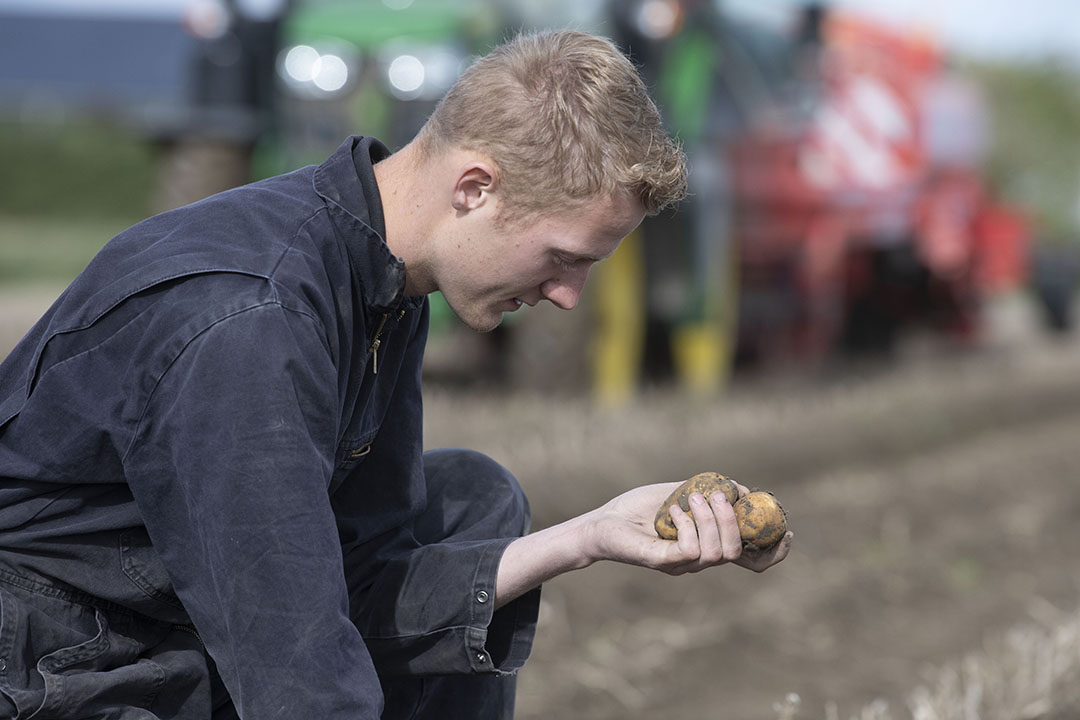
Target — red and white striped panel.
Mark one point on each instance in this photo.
(863, 137)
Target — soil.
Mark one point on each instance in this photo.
(934, 502)
(934, 506)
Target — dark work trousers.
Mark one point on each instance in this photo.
(68, 656)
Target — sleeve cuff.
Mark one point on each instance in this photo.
(499, 641)
(447, 624)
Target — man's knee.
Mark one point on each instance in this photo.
(470, 489)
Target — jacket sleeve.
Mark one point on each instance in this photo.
(230, 468)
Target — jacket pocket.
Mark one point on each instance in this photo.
(87, 679)
(141, 564)
(61, 661)
(352, 452)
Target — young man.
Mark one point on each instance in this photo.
(214, 500)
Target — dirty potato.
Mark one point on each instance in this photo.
(762, 521)
(705, 483)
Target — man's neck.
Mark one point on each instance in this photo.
(405, 200)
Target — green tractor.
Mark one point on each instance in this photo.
(373, 67)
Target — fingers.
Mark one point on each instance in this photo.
(713, 539)
(688, 538)
(765, 559)
(727, 525)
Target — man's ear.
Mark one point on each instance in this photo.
(474, 186)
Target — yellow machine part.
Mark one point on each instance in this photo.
(619, 339)
(702, 351)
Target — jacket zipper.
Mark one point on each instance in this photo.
(190, 630)
(374, 348)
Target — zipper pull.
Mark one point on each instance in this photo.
(374, 348)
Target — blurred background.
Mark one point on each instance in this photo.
(866, 176)
(867, 304)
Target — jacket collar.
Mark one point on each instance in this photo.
(346, 182)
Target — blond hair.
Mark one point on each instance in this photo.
(565, 117)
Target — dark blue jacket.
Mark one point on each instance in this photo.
(219, 412)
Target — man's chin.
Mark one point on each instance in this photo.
(486, 324)
(480, 323)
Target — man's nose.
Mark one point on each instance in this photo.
(565, 291)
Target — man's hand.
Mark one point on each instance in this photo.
(622, 530)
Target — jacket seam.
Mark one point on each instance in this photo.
(292, 245)
(67, 594)
(33, 375)
(439, 631)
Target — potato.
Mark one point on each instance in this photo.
(705, 483)
(762, 521)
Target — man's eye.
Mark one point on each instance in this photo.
(564, 263)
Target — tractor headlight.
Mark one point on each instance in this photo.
(319, 72)
(421, 72)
